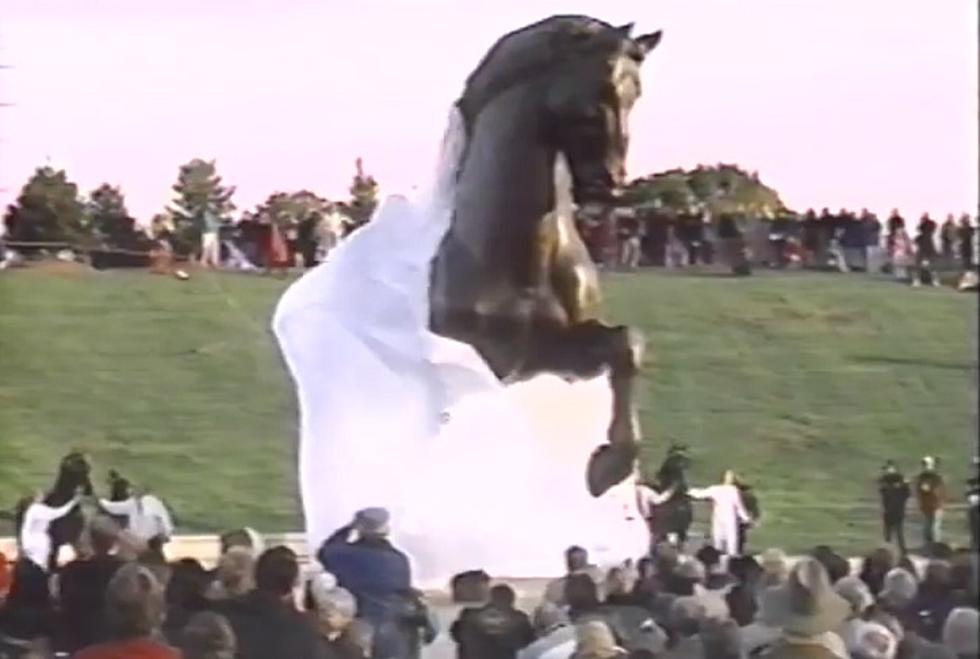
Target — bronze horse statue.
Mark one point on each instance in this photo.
(512, 277)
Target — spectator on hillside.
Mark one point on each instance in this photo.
(82, 587)
(893, 225)
(894, 491)
(265, 621)
(147, 517)
(853, 240)
(207, 635)
(134, 613)
(576, 562)
(496, 630)
(629, 234)
(26, 616)
(930, 489)
(375, 572)
(872, 240)
(965, 234)
(925, 253)
(811, 238)
(901, 254)
(947, 240)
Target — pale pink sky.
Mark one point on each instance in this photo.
(835, 102)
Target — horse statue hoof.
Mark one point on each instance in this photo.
(610, 465)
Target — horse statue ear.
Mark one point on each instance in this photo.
(648, 42)
(625, 30)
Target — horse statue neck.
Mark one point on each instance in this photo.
(70, 478)
(507, 170)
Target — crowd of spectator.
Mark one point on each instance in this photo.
(844, 241)
(357, 601)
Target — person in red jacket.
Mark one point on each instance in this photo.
(930, 489)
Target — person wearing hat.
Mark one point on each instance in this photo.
(894, 491)
(377, 574)
(808, 612)
(931, 492)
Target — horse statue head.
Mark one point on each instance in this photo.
(581, 77)
(73, 473)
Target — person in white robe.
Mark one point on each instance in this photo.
(147, 516)
(35, 543)
(726, 511)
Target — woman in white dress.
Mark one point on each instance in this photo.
(726, 511)
(35, 543)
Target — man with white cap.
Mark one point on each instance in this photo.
(931, 492)
(377, 574)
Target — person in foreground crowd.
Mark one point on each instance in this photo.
(894, 491)
(266, 621)
(82, 585)
(576, 562)
(726, 512)
(930, 490)
(207, 635)
(134, 610)
(807, 611)
(365, 562)
(497, 630)
(333, 612)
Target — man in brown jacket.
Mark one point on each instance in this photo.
(931, 492)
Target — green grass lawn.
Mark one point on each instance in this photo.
(803, 383)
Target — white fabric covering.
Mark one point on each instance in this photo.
(475, 474)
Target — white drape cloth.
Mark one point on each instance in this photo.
(475, 474)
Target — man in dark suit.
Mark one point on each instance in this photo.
(895, 493)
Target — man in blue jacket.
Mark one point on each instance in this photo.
(364, 562)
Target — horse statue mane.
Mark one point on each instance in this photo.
(534, 50)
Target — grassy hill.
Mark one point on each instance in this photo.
(803, 383)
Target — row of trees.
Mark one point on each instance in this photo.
(50, 209)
